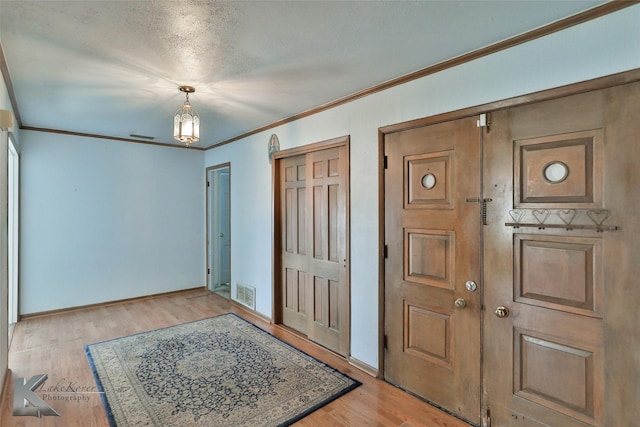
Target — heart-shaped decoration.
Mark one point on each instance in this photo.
(567, 215)
(598, 216)
(541, 215)
(517, 215)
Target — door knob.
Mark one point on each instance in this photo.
(460, 303)
(502, 311)
(221, 234)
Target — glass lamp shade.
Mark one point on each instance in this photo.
(186, 124)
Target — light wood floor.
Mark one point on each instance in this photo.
(54, 345)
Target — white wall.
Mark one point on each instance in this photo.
(105, 220)
(601, 47)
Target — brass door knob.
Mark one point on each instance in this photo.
(460, 303)
(502, 311)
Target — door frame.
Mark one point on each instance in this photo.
(276, 305)
(13, 235)
(211, 219)
(545, 95)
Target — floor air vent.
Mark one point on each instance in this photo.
(246, 295)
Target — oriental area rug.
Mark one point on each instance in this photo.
(221, 371)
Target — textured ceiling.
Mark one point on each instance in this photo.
(112, 68)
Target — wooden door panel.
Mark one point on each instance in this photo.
(428, 180)
(558, 370)
(559, 245)
(562, 170)
(327, 266)
(428, 334)
(433, 347)
(295, 236)
(558, 367)
(326, 211)
(295, 299)
(294, 262)
(429, 257)
(559, 272)
(326, 302)
(334, 249)
(538, 359)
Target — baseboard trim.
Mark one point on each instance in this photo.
(12, 329)
(107, 303)
(364, 367)
(5, 386)
(251, 311)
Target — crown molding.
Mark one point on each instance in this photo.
(593, 13)
(580, 18)
(113, 138)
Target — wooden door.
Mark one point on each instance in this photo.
(294, 254)
(563, 174)
(314, 229)
(432, 237)
(326, 203)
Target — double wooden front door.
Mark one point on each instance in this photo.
(552, 328)
(313, 294)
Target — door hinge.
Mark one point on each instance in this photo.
(208, 184)
(487, 419)
(385, 251)
(208, 271)
(384, 341)
(385, 162)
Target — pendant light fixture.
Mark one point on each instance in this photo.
(186, 121)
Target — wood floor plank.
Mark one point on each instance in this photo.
(54, 345)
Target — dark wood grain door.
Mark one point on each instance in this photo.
(432, 233)
(561, 338)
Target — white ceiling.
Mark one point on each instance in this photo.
(113, 68)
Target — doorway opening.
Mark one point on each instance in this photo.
(219, 230)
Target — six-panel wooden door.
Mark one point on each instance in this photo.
(313, 249)
(294, 249)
